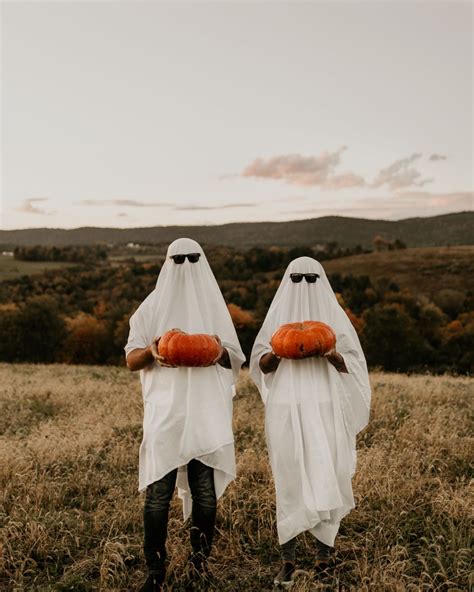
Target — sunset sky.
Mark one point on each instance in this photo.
(155, 113)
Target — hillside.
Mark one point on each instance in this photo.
(73, 515)
(427, 270)
(449, 229)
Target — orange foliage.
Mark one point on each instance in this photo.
(241, 318)
(86, 341)
(356, 321)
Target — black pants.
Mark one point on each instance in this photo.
(156, 509)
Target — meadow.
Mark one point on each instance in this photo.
(72, 515)
(11, 268)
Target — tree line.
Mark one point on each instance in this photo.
(81, 314)
(74, 254)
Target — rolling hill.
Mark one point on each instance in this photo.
(449, 229)
(423, 270)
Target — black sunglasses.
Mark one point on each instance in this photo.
(192, 258)
(296, 278)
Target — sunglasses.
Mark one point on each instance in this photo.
(192, 258)
(296, 278)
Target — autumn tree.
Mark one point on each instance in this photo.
(87, 341)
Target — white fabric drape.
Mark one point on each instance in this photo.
(312, 411)
(187, 411)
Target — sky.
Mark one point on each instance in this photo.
(128, 114)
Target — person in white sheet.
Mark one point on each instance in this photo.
(314, 408)
(187, 422)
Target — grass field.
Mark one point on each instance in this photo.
(11, 268)
(73, 515)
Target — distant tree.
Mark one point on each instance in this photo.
(77, 254)
(241, 318)
(391, 338)
(87, 341)
(10, 333)
(398, 244)
(246, 326)
(32, 331)
(451, 301)
(120, 336)
(458, 344)
(380, 243)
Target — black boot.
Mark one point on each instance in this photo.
(154, 582)
(324, 556)
(284, 578)
(197, 568)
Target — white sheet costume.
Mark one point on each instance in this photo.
(312, 411)
(187, 411)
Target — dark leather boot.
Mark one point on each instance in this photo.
(154, 582)
(324, 556)
(284, 577)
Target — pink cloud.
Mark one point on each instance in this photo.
(304, 170)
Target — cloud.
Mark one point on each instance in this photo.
(437, 157)
(305, 171)
(401, 174)
(141, 204)
(343, 181)
(28, 208)
(217, 207)
(124, 202)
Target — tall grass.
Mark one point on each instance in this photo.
(73, 516)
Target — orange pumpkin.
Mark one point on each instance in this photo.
(182, 349)
(300, 340)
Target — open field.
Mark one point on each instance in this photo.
(424, 269)
(11, 268)
(73, 515)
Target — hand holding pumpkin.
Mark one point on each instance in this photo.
(160, 359)
(221, 351)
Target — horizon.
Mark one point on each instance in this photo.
(203, 114)
(229, 223)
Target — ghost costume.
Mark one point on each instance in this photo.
(312, 411)
(187, 411)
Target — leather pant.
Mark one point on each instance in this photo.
(156, 509)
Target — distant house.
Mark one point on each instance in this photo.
(133, 245)
(7, 253)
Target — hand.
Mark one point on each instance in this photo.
(160, 359)
(336, 359)
(332, 356)
(269, 362)
(221, 352)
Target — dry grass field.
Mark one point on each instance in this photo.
(73, 516)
